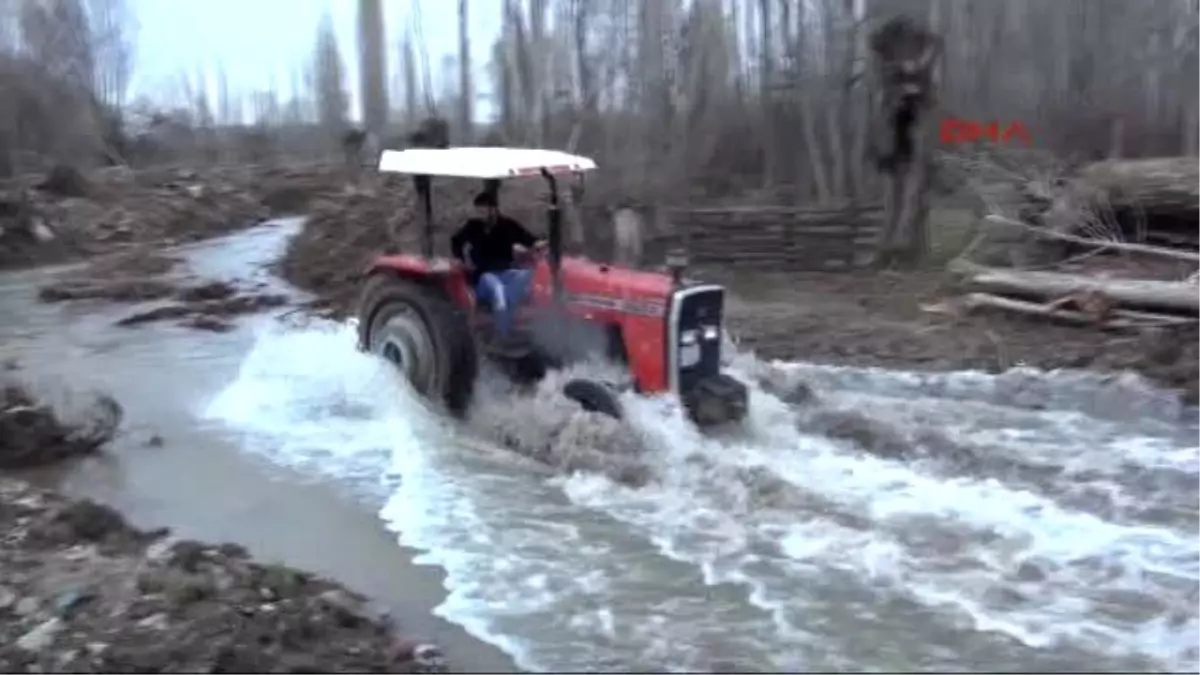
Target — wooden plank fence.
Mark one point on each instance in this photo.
(781, 238)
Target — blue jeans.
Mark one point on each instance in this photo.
(504, 292)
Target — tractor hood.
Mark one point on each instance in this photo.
(587, 276)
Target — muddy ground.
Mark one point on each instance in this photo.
(81, 590)
(884, 319)
(50, 218)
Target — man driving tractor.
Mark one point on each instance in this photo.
(488, 246)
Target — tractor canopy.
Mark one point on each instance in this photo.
(483, 162)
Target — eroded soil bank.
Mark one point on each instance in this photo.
(66, 216)
(82, 590)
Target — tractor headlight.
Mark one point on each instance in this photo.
(711, 333)
(687, 337)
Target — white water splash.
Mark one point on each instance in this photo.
(781, 548)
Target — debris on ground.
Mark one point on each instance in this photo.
(81, 590)
(119, 290)
(65, 214)
(207, 314)
(33, 434)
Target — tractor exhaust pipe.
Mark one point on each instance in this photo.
(677, 262)
(554, 235)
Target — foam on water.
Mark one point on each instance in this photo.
(592, 545)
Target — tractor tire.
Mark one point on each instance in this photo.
(420, 332)
(594, 397)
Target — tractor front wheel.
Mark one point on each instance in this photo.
(423, 335)
(594, 397)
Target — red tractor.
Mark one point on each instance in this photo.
(419, 311)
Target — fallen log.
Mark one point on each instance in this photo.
(1168, 185)
(1144, 249)
(1167, 295)
(1120, 319)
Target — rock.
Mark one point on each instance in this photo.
(8, 598)
(209, 323)
(42, 635)
(215, 290)
(188, 554)
(279, 581)
(188, 589)
(159, 551)
(348, 609)
(429, 659)
(41, 231)
(64, 660)
(28, 606)
(90, 521)
(158, 621)
(154, 441)
(68, 602)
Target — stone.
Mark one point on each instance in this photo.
(348, 609)
(155, 622)
(8, 598)
(42, 635)
(69, 601)
(28, 606)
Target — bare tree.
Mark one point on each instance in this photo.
(412, 86)
(372, 68)
(114, 30)
(465, 91)
(328, 75)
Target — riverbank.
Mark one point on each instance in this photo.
(166, 465)
(82, 590)
(65, 215)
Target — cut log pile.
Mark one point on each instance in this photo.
(1109, 213)
(1161, 194)
(1103, 302)
(1106, 303)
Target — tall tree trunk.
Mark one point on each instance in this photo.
(766, 90)
(466, 92)
(372, 69)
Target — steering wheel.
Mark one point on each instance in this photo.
(529, 257)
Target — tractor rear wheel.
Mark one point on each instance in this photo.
(420, 332)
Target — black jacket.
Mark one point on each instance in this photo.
(489, 248)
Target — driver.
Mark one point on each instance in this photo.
(487, 245)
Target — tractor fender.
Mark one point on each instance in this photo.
(449, 278)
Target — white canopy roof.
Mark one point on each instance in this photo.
(482, 162)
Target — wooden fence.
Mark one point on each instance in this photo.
(780, 238)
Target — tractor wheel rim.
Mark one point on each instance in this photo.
(404, 341)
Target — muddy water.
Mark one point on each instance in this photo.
(1022, 522)
(200, 482)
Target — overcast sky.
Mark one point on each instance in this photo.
(258, 40)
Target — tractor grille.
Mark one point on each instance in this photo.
(695, 338)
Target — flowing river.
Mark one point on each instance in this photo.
(1019, 522)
